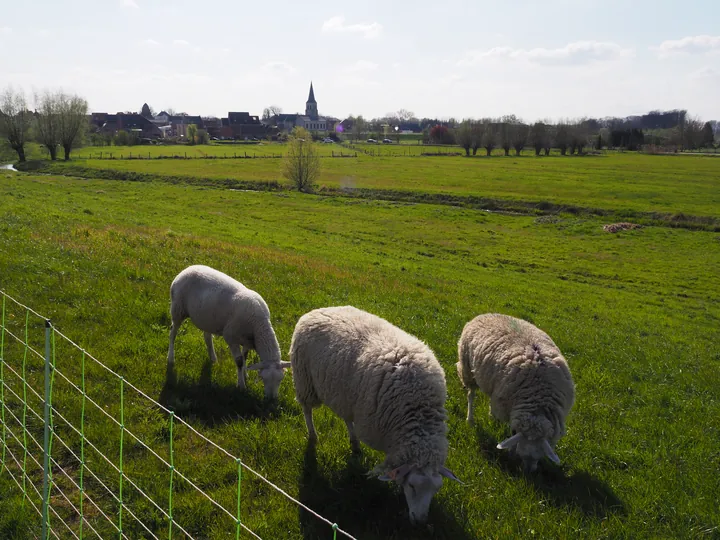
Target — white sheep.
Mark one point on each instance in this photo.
(219, 305)
(388, 388)
(526, 377)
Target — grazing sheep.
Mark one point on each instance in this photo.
(526, 377)
(217, 304)
(388, 388)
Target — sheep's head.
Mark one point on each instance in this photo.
(419, 486)
(271, 375)
(530, 451)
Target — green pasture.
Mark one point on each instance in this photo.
(616, 181)
(636, 314)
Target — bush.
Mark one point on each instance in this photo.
(301, 164)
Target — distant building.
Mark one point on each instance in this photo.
(311, 120)
(130, 122)
(242, 125)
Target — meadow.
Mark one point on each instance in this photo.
(635, 313)
(626, 184)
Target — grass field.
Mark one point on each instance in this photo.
(616, 182)
(635, 313)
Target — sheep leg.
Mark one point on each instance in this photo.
(471, 405)
(240, 363)
(354, 442)
(210, 348)
(171, 349)
(245, 353)
(312, 434)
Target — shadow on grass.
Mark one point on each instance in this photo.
(364, 506)
(580, 490)
(211, 403)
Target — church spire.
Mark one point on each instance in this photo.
(311, 108)
(311, 97)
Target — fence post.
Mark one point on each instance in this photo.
(46, 440)
(237, 530)
(24, 418)
(2, 382)
(82, 446)
(172, 474)
(122, 437)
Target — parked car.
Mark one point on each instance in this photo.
(372, 141)
(328, 140)
(387, 141)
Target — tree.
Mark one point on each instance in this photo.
(505, 137)
(147, 111)
(72, 120)
(191, 133)
(538, 134)
(464, 135)
(202, 137)
(708, 136)
(122, 138)
(403, 115)
(489, 136)
(358, 127)
(269, 112)
(48, 124)
(441, 135)
(301, 164)
(562, 136)
(520, 133)
(15, 120)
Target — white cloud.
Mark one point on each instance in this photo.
(706, 72)
(180, 42)
(151, 42)
(337, 24)
(278, 67)
(129, 4)
(576, 53)
(689, 45)
(361, 66)
(5, 30)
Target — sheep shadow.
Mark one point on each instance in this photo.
(210, 403)
(363, 506)
(579, 490)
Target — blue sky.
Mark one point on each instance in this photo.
(552, 59)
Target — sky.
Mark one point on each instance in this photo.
(450, 58)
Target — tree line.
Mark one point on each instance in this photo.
(670, 130)
(58, 120)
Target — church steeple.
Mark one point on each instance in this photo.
(311, 108)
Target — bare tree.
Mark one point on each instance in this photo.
(538, 134)
(48, 123)
(520, 133)
(403, 115)
(72, 120)
(15, 120)
(269, 112)
(464, 136)
(489, 135)
(301, 165)
(505, 137)
(476, 137)
(562, 136)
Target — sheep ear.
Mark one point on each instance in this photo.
(285, 365)
(549, 452)
(447, 473)
(395, 475)
(509, 443)
(256, 367)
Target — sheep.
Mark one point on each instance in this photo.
(388, 388)
(526, 377)
(217, 304)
